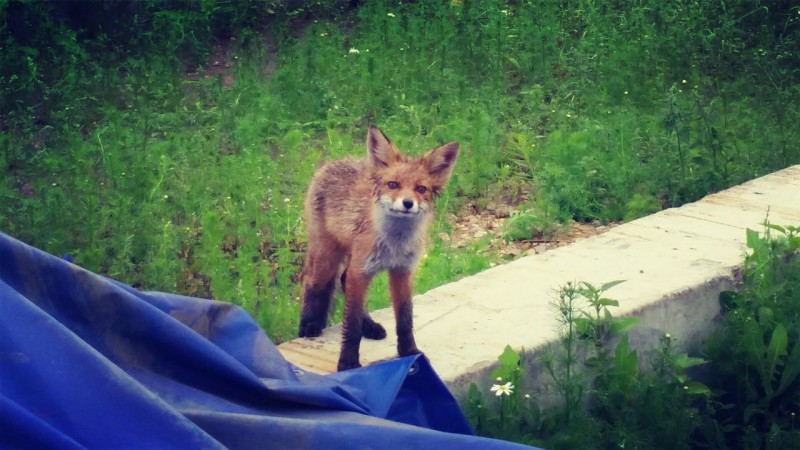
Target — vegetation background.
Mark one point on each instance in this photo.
(168, 144)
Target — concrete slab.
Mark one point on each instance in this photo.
(675, 263)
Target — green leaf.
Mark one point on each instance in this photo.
(622, 346)
(585, 326)
(776, 228)
(622, 325)
(794, 243)
(765, 315)
(610, 284)
(753, 344)
(509, 357)
(752, 238)
(684, 361)
(790, 371)
(775, 351)
(608, 302)
(696, 388)
(625, 360)
(513, 62)
(474, 395)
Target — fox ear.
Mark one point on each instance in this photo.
(380, 151)
(440, 161)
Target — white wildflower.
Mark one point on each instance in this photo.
(503, 389)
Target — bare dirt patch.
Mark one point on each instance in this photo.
(471, 225)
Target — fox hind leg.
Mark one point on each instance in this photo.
(316, 305)
(319, 284)
(372, 329)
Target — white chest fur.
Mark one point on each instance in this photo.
(399, 244)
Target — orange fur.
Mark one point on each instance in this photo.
(369, 215)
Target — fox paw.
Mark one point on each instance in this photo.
(373, 330)
(310, 329)
(408, 351)
(347, 365)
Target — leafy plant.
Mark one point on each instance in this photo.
(756, 353)
(604, 396)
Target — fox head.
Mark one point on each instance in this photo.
(406, 186)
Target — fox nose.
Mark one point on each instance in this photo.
(408, 203)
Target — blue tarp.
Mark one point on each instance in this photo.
(88, 362)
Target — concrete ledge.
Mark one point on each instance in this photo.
(675, 263)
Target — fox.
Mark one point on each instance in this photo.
(364, 216)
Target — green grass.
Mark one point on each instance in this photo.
(112, 153)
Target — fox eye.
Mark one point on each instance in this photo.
(393, 185)
(422, 189)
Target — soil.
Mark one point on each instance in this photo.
(471, 225)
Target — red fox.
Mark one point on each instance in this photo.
(364, 216)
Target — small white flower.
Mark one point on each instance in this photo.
(683, 81)
(503, 389)
(499, 378)
(353, 51)
(286, 200)
(390, 14)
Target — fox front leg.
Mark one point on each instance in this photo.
(353, 323)
(369, 328)
(401, 286)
